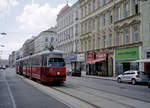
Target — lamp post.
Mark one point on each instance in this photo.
(3, 33)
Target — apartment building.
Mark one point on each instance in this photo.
(44, 40)
(111, 35)
(68, 34)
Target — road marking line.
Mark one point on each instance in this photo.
(10, 93)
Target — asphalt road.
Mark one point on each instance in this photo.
(16, 93)
(106, 93)
(77, 92)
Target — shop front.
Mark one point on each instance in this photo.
(97, 63)
(125, 58)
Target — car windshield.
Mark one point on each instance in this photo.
(56, 62)
(141, 73)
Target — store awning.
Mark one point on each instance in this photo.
(143, 60)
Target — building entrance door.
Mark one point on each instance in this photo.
(147, 69)
(126, 67)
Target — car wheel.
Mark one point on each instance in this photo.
(119, 80)
(133, 81)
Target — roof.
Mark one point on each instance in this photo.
(64, 9)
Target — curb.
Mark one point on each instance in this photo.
(103, 78)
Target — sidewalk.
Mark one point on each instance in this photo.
(101, 77)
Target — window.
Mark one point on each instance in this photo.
(110, 40)
(126, 37)
(99, 43)
(46, 39)
(148, 54)
(85, 45)
(126, 9)
(99, 3)
(149, 3)
(93, 5)
(93, 43)
(89, 8)
(104, 2)
(118, 38)
(149, 31)
(136, 6)
(93, 24)
(89, 45)
(111, 18)
(104, 20)
(135, 34)
(104, 41)
(118, 13)
(99, 21)
(85, 10)
(89, 26)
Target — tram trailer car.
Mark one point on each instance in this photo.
(45, 66)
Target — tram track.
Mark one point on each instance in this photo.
(106, 91)
(102, 97)
(77, 98)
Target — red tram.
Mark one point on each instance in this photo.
(46, 66)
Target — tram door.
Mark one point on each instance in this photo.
(147, 69)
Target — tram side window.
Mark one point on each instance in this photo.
(37, 61)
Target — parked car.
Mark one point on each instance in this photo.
(149, 84)
(76, 72)
(133, 76)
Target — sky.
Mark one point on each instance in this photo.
(22, 19)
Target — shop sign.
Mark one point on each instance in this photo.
(131, 53)
(81, 57)
(89, 58)
(72, 58)
(100, 56)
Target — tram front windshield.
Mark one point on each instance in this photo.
(56, 62)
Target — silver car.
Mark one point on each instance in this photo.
(133, 77)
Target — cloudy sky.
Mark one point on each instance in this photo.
(22, 19)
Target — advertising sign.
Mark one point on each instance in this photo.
(100, 56)
(131, 53)
(80, 57)
(89, 58)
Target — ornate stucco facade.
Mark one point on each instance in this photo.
(109, 25)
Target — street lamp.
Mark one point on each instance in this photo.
(3, 33)
(2, 46)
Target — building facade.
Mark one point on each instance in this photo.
(44, 39)
(68, 34)
(111, 27)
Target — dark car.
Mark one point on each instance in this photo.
(149, 84)
(76, 72)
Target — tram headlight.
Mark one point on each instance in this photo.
(58, 73)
